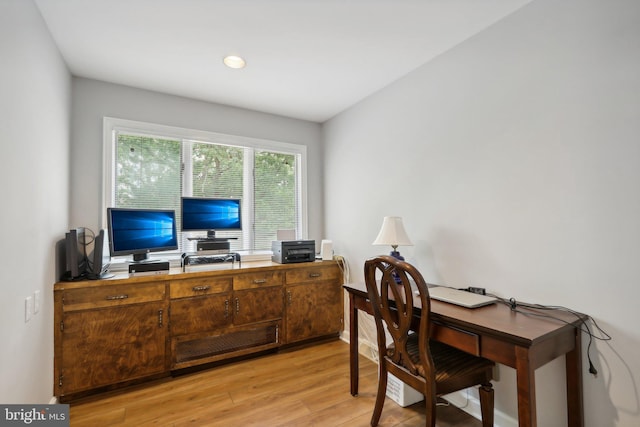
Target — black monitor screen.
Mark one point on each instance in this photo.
(199, 214)
(139, 231)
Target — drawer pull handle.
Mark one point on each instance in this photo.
(201, 288)
(117, 297)
(260, 281)
(314, 275)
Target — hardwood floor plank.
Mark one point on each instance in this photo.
(308, 386)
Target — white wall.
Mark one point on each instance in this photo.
(34, 136)
(93, 100)
(515, 161)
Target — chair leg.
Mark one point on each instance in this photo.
(486, 404)
(430, 402)
(382, 394)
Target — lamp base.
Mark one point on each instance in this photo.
(396, 255)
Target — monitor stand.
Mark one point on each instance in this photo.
(139, 258)
(211, 237)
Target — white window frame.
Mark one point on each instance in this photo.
(111, 126)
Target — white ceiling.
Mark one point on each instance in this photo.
(307, 59)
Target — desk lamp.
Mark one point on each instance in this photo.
(392, 233)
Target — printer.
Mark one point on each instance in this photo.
(290, 251)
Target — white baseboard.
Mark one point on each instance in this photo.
(365, 348)
(471, 405)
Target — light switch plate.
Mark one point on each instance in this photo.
(36, 302)
(28, 308)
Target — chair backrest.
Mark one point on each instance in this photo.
(391, 285)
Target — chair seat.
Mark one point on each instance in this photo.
(451, 364)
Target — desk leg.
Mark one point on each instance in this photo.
(353, 345)
(526, 381)
(573, 368)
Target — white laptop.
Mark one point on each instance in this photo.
(458, 297)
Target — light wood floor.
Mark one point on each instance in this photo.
(303, 387)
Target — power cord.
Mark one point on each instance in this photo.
(443, 402)
(344, 267)
(527, 310)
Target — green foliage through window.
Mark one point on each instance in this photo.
(147, 172)
(154, 172)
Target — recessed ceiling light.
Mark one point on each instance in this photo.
(233, 61)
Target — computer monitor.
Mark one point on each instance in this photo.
(211, 214)
(138, 232)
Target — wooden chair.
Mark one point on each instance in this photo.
(431, 367)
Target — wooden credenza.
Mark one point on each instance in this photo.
(109, 333)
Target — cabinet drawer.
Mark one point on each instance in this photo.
(195, 287)
(312, 274)
(108, 296)
(465, 341)
(257, 280)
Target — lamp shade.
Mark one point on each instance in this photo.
(392, 233)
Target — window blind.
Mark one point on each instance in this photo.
(152, 171)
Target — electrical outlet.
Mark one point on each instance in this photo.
(36, 302)
(474, 290)
(28, 308)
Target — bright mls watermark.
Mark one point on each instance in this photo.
(37, 415)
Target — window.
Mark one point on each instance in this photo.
(153, 166)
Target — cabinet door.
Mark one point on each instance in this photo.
(200, 314)
(313, 310)
(110, 345)
(258, 305)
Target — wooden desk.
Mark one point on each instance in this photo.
(508, 337)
